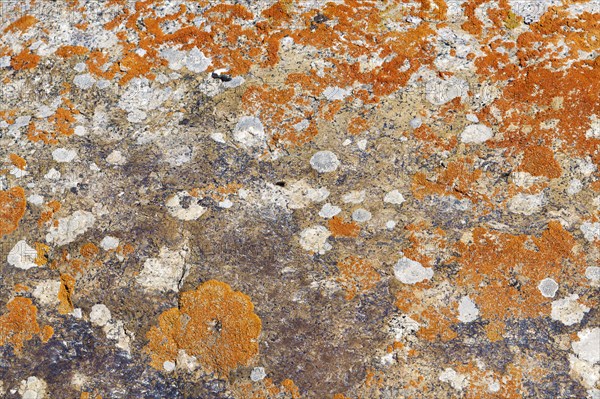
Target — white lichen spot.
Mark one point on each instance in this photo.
(588, 346)
(526, 204)
(362, 144)
(184, 206)
(328, 211)
(575, 186)
(324, 162)
(361, 215)
(109, 242)
(186, 362)
(568, 311)
(494, 386)
(250, 133)
(33, 388)
(333, 93)
(394, 197)
(591, 231)
(314, 239)
(457, 381)
(476, 134)
(100, 315)
(70, 227)
(139, 98)
(592, 273)
(218, 137)
(390, 224)
(258, 374)
(22, 256)
(409, 271)
(467, 310)
(46, 292)
(35, 199)
(169, 366)
(165, 272)
(84, 81)
(52, 174)
(415, 123)
(64, 155)
(354, 197)
(439, 91)
(594, 130)
(116, 158)
(225, 204)
(548, 287)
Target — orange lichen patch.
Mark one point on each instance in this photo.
(504, 270)
(65, 293)
(22, 24)
(71, 51)
(62, 119)
(340, 396)
(12, 209)
(339, 228)
(50, 209)
(291, 388)
(41, 250)
(25, 60)
(539, 161)
(356, 276)
(17, 161)
(21, 288)
(89, 250)
(213, 323)
(425, 245)
(357, 125)
(46, 333)
(458, 179)
(19, 324)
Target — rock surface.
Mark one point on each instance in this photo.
(299, 199)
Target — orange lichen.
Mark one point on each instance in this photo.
(71, 51)
(19, 324)
(46, 333)
(539, 161)
(213, 323)
(505, 269)
(17, 161)
(12, 209)
(22, 24)
(339, 228)
(290, 387)
(356, 276)
(88, 250)
(65, 293)
(21, 288)
(42, 251)
(25, 60)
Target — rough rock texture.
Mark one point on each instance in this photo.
(299, 199)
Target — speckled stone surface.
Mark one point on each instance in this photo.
(299, 199)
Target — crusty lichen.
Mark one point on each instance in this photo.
(213, 323)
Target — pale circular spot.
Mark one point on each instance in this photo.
(324, 162)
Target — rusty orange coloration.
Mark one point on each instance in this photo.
(339, 228)
(12, 209)
(19, 324)
(356, 275)
(213, 323)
